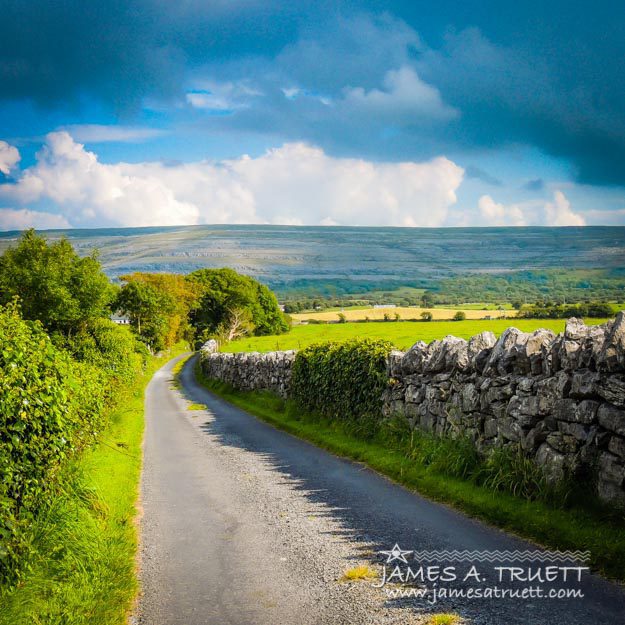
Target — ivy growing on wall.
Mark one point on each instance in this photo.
(341, 380)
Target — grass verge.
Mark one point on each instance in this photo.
(82, 569)
(592, 528)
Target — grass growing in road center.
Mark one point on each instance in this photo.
(443, 476)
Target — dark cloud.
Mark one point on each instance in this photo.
(119, 51)
(542, 74)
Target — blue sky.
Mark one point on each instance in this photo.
(358, 113)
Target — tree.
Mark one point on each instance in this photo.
(426, 315)
(219, 292)
(147, 309)
(342, 318)
(53, 284)
(175, 297)
(427, 299)
(236, 324)
(460, 316)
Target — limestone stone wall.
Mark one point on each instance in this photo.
(560, 397)
(250, 371)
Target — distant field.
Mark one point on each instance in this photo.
(402, 334)
(358, 313)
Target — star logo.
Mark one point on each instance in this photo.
(396, 553)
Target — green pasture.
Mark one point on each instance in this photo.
(402, 334)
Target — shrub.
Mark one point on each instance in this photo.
(51, 407)
(426, 315)
(460, 316)
(110, 347)
(341, 380)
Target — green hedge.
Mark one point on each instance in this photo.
(341, 380)
(51, 407)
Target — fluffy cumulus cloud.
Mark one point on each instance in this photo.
(9, 157)
(556, 212)
(296, 184)
(404, 92)
(12, 219)
(496, 214)
(487, 77)
(559, 213)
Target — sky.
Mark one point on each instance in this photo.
(149, 112)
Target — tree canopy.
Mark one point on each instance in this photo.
(53, 284)
(230, 304)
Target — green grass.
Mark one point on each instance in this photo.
(444, 618)
(401, 334)
(439, 470)
(83, 568)
(196, 407)
(359, 573)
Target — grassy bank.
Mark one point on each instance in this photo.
(401, 334)
(445, 471)
(82, 569)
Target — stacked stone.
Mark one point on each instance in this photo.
(562, 398)
(250, 371)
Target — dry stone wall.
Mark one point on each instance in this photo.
(560, 397)
(250, 371)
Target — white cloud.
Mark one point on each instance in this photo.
(97, 133)
(208, 100)
(11, 219)
(535, 212)
(295, 183)
(495, 214)
(226, 96)
(404, 92)
(559, 213)
(290, 93)
(9, 157)
(606, 217)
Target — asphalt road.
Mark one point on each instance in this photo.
(244, 524)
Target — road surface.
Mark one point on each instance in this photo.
(246, 525)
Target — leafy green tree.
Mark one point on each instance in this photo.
(53, 284)
(460, 316)
(147, 308)
(220, 292)
(426, 315)
(427, 299)
(161, 304)
(342, 318)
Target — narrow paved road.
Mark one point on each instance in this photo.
(246, 525)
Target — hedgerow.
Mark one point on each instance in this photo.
(51, 407)
(341, 380)
(108, 346)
